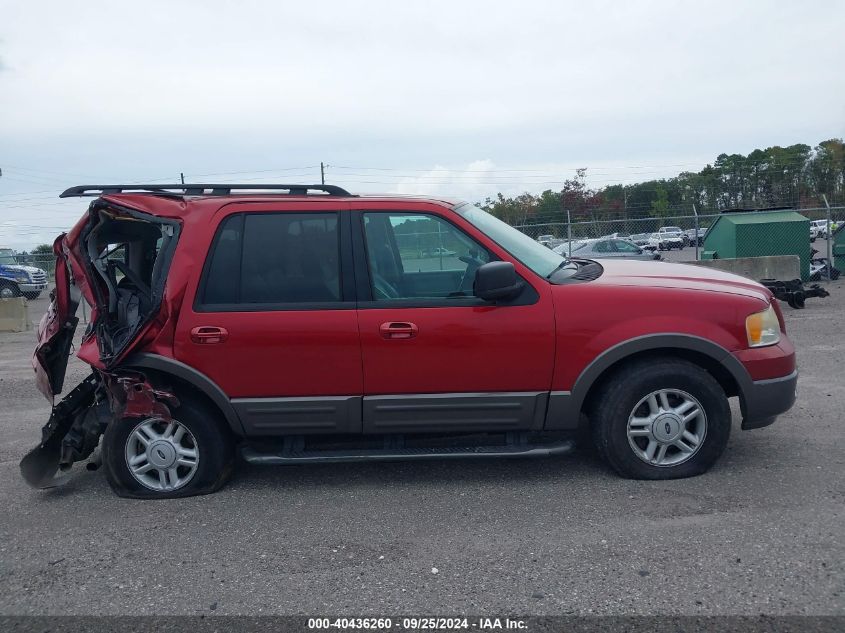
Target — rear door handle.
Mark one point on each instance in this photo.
(398, 330)
(209, 334)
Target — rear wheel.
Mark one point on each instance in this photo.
(155, 458)
(661, 418)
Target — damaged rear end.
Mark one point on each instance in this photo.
(117, 260)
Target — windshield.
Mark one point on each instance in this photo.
(537, 257)
(7, 256)
(672, 229)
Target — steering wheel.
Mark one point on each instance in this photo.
(468, 277)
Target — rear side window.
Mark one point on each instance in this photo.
(273, 258)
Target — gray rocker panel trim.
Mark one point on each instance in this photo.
(191, 376)
(445, 412)
(293, 416)
(565, 406)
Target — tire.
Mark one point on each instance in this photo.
(32, 296)
(618, 401)
(205, 431)
(9, 290)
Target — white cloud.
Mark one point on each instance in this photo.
(113, 92)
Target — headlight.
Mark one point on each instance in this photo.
(21, 275)
(762, 328)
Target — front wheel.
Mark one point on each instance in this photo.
(154, 458)
(8, 290)
(661, 418)
(32, 296)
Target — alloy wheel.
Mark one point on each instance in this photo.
(667, 427)
(162, 455)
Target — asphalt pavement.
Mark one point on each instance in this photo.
(761, 533)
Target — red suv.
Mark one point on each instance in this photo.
(297, 324)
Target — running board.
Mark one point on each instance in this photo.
(404, 454)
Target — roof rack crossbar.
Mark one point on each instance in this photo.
(199, 189)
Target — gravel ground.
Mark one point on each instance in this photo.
(761, 533)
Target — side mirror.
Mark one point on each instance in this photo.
(496, 280)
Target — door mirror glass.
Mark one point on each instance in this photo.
(496, 280)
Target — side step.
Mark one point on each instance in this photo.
(254, 456)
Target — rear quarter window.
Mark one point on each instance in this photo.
(273, 259)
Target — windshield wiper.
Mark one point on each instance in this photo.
(566, 261)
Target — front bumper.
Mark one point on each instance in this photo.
(31, 287)
(764, 400)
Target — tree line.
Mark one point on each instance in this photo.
(797, 176)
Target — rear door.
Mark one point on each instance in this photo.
(435, 357)
(273, 318)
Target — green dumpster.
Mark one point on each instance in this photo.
(839, 248)
(758, 234)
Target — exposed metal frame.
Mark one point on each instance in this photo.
(201, 189)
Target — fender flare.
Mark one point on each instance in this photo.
(565, 406)
(191, 376)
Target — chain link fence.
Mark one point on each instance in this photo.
(652, 233)
(568, 236)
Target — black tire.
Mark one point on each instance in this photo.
(214, 442)
(619, 394)
(7, 288)
(32, 296)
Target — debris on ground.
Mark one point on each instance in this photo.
(793, 291)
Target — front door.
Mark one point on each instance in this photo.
(435, 357)
(273, 323)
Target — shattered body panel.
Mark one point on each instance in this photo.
(130, 308)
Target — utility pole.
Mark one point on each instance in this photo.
(322, 173)
(182, 176)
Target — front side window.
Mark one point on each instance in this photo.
(420, 256)
(274, 258)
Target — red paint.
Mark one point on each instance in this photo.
(541, 346)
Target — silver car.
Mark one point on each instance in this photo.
(614, 248)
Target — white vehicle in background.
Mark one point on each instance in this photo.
(644, 241)
(564, 247)
(671, 237)
(819, 229)
(550, 241)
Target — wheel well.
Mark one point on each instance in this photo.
(165, 380)
(706, 362)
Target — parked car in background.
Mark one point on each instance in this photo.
(612, 248)
(285, 326)
(439, 251)
(819, 229)
(17, 279)
(672, 237)
(692, 238)
(621, 236)
(565, 247)
(550, 241)
(644, 241)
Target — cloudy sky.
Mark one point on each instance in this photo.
(458, 98)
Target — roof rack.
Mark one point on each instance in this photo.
(199, 189)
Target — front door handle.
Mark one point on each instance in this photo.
(209, 334)
(398, 330)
